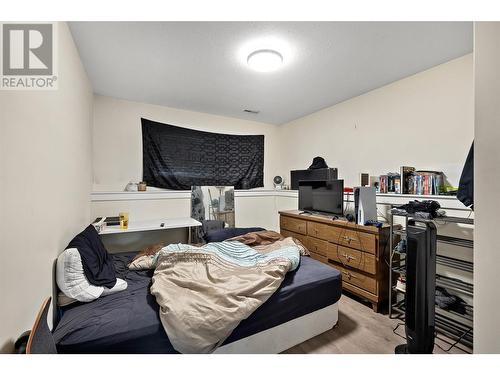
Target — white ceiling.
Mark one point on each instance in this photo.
(201, 66)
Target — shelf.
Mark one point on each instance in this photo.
(455, 241)
(400, 269)
(448, 219)
(398, 290)
(455, 263)
(444, 261)
(444, 324)
(400, 232)
(458, 220)
(468, 315)
(454, 330)
(445, 282)
(456, 325)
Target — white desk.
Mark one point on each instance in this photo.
(153, 224)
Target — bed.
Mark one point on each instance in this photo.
(304, 306)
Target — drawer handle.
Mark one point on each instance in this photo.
(348, 257)
(349, 239)
(348, 274)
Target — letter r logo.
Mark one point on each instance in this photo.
(27, 49)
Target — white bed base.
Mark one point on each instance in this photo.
(286, 335)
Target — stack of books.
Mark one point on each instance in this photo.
(411, 181)
(426, 183)
(390, 183)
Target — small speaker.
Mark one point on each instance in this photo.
(278, 182)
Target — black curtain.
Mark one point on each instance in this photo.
(178, 158)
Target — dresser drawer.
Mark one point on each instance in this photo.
(365, 282)
(317, 246)
(323, 231)
(352, 258)
(302, 238)
(358, 240)
(293, 225)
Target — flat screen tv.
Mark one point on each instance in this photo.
(322, 196)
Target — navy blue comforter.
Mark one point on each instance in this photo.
(128, 322)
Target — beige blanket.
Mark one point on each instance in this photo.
(261, 239)
(205, 292)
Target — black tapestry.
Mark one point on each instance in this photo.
(178, 158)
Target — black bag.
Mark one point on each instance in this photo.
(318, 163)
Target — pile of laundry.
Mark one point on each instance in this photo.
(427, 209)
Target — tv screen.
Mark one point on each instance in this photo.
(322, 196)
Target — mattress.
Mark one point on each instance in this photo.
(128, 322)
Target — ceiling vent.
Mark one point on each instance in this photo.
(253, 112)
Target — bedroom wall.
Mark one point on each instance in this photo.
(437, 104)
(487, 181)
(44, 185)
(425, 121)
(117, 141)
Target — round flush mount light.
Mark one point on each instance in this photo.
(265, 60)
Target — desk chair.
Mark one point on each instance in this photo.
(40, 340)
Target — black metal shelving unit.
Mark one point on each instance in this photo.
(455, 325)
(458, 264)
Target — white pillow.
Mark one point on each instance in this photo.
(118, 287)
(72, 282)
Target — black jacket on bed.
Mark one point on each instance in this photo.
(97, 264)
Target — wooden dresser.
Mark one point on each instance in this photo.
(357, 251)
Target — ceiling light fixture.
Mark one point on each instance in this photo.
(265, 60)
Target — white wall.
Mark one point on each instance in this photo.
(425, 120)
(117, 140)
(487, 182)
(45, 182)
